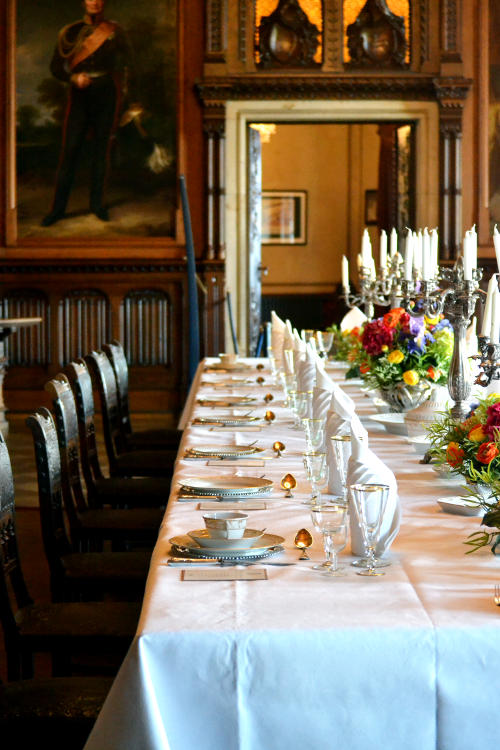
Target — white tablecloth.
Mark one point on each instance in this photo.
(409, 660)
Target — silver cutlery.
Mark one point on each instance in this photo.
(496, 597)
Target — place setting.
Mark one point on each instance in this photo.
(226, 541)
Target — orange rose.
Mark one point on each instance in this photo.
(454, 454)
(364, 368)
(391, 318)
(487, 452)
(433, 373)
(477, 434)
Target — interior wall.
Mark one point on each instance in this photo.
(335, 163)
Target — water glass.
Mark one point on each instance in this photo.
(289, 361)
(273, 366)
(289, 384)
(301, 410)
(315, 433)
(331, 522)
(325, 341)
(341, 449)
(316, 471)
(370, 501)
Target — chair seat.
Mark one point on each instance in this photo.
(58, 712)
(154, 439)
(109, 625)
(144, 464)
(133, 522)
(107, 568)
(142, 492)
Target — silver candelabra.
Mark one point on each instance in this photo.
(456, 298)
(489, 361)
(383, 289)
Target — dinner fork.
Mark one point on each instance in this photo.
(496, 597)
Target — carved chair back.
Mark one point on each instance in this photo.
(13, 592)
(116, 355)
(104, 378)
(81, 382)
(48, 463)
(63, 400)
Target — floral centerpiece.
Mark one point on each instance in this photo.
(403, 356)
(345, 344)
(471, 448)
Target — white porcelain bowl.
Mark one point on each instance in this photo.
(225, 524)
(228, 359)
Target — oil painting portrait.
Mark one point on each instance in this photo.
(95, 119)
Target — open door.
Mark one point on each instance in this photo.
(254, 192)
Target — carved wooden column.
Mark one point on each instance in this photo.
(214, 129)
(451, 94)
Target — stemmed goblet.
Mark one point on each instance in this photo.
(325, 341)
(315, 433)
(331, 522)
(316, 472)
(341, 448)
(370, 501)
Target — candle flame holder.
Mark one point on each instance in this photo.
(455, 297)
(288, 483)
(278, 448)
(384, 289)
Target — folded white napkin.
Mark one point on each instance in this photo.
(288, 345)
(353, 318)
(340, 419)
(306, 370)
(365, 467)
(322, 392)
(277, 335)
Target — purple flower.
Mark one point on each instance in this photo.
(417, 326)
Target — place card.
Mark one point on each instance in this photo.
(224, 574)
(236, 462)
(248, 505)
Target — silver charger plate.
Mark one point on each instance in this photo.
(223, 451)
(224, 485)
(229, 401)
(185, 545)
(227, 421)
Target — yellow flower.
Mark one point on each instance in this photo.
(385, 348)
(477, 434)
(431, 321)
(395, 357)
(411, 377)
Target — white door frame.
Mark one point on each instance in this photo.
(240, 113)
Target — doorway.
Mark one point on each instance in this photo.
(239, 115)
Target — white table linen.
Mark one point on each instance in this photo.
(409, 660)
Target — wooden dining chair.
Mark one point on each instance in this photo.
(77, 575)
(94, 524)
(62, 629)
(154, 439)
(123, 462)
(58, 712)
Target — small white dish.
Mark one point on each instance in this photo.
(420, 444)
(393, 423)
(459, 506)
(249, 539)
(225, 524)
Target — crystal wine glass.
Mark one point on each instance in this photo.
(341, 448)
(301, 407)
(331, 522)
(325, 341)
(315, 433)
(370, 501)
(316, 471)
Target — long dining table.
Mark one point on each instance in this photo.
(295, 659)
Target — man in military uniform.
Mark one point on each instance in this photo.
(92, 56)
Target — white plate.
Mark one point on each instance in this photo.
(250, 538)
(184, 543)
(393, 423)
(224, 485)
(222, 451)
(229, 401)
(420, 443)
(227, 421)
(228, 367)
(459, 506)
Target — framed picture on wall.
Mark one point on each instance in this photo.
(284, 217)
(112, 177)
